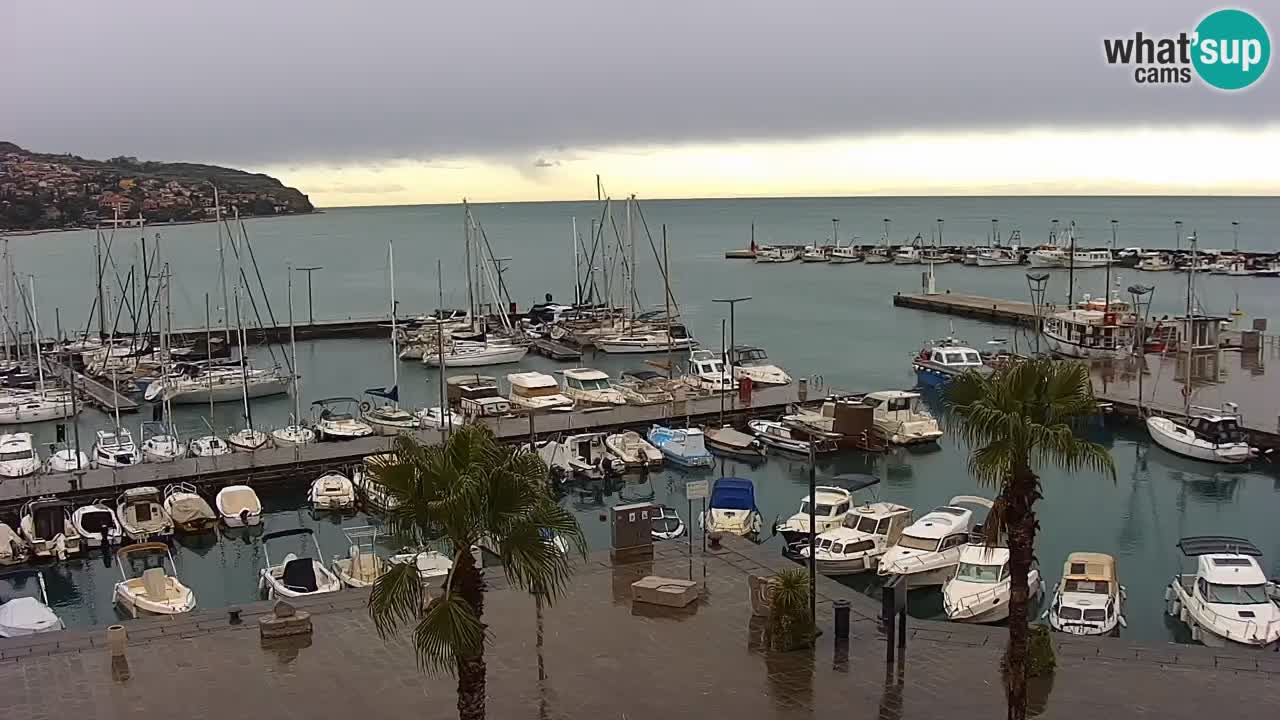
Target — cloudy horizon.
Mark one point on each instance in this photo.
(398, 102)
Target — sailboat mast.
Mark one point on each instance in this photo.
(1186, 375)
(244, 359)
(1106, 283)
(631, 259)
(102, 312)
(35, 336)
(466, 245)
(293, 350)
(666, 300)
(446, 417)
(1071, 260)
(166, 330)
(208, 354)
(222, 269)
(395, 340)
(577, 283)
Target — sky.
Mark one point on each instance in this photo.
(401, 102)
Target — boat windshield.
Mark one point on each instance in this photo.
(1235, 594)
(820, 510)
(970, 572)
(918, 543)
(1086, 586)
(596, 384)
(751, 356)
(1069, 613)
(15, 455)
(865, 524)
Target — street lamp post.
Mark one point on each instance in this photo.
(311, 316)
(733, 304)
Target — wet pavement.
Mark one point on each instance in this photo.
(605, 657)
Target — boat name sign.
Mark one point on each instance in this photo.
(696, 490)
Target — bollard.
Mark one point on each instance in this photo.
(117, 641)
(233, 614)
(842, 619)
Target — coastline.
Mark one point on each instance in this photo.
(46, 231)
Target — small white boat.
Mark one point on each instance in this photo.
(376, 495)
(907, 255)
(22, 615)
(753, 362)
(296, 576)
(829, 510)
(13, 549)
(591, 387)
(900, 416)
(588, 457)
(998, 257)
(730, 442)
(979, 591)
(115, 449)
(389, 419)
(771, 254)
(189, 512)
(337, 421)
(238, 506)
(666, 523)
(707, 373)
(46, 525)
(160, 443)
(861, 539)
(332, 491)
(683, 447)
(432, 565)
(18, 456)
(438, 418)
(537, 391)
(208, 446)
(293, 436)
(1089, 599)
(362, 565)
(928, 551)
(142, 515)
(248, 440)
(146, 588)
(1209, 435)
(1158, 263)
(97, 524)
(650, 341)
(644, 387)
(731, 508)
(845, 255)
(632, 449)
(1228, 599)
(781, 437)
(814, 254)
(63, 459)
(34, 407)
(463, 353)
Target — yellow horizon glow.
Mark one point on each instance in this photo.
(1142, 161)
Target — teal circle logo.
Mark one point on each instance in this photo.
(1232, 49)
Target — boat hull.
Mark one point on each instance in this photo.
(617, 348)
(230, 392)
(1165, 433)
(504, 356)
(1059, 346)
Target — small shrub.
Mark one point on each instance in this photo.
(790, 623)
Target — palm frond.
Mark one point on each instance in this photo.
(448, 630)
(396, 598)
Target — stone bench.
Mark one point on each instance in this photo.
(668, 592)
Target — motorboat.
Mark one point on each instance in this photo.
(753, 362)
(537, 391)
(940, 362)
(295, 576)
(442, 418)
(293, 435)
(979, 591)
(433, 565)
(731, 508)
(907, 255)
(63, 459)
(142, 514)
(1088, 332)
(362, 565)
(1158, 263)
(772, 254)
(813, 254)
(475, 396)
(1209, 435)
(376, 495)
(901, 417)
(238, 506)
(18, 456)
(845, 255)
(879, 255)
(47, 527)
(998, 257)
(586, 386)
(859, 541)
(782, 437)
(248, 440)
(13, 549)
(843, 420)
(830, 505)
(731, 442)
(208, 446)
(555, 456)
(928, 550)
(589, 457)
(189, 511)
(115, 449)
(1047, 257)
(332, 491)
(28, 614)
(666, 523)
(1228, 599)
(683, 447)
(146, 587)
(935, 256)
(644, 387)
(465, 353)
(160, 443)
(655, 340)
(388, 418)
(633, 450)
(336, 420)
(97, 524)
(707, 373)
(1089, 599)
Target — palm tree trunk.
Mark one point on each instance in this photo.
(1020, 523)
(471, 668)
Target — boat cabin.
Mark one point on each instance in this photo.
(536, 390)
(748, 356)
(865, 528)
(1202, 331)
(1218, 427)
(940, 529)
(894, 404)
(586, 379)
(1089, 592)
(1089, 330)
(955, 358)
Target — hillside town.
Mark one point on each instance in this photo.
(64, 191)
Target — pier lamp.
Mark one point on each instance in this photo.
(311, 316)
(1036, 283)
(733, 304)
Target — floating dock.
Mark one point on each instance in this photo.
(91, 391)
(555, 350)
(978, 307)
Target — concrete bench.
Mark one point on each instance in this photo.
(668, 592)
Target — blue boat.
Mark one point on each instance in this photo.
(940, 361)
(732, 508)
(682, 447)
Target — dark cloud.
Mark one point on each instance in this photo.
(260, 83)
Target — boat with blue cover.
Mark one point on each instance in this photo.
(732, 508)
(684, 447)
(940, 361)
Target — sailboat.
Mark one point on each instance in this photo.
(389, 418)
(25, 408)
(882, 253)
(160, 441)
(209, 445)
(295, 433)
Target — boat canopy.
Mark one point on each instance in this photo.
(1217, 545)
(733, 494)
(854, 482)
(1089, 567)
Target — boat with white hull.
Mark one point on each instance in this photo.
(115, 449)
(980, 589)
(651, 341)
(189, 511)
(1228, 599)
(861, 539)
(753, 362)
(337, 420)
(463, 353)
(587, 386)
(537, 391)
(631, 448)
(153, 590)
(1089, 599)
(998, 257)
(928, 551)
(900, 416)
(142, 514)
(332, 491)
(296, 576)
(731, 508)
(30, 614)
(18, 456)
(238, 506)
(1209, 435)
(786, 439)
(97, 525)
(47, 527)
(684, 447)
(829, 509)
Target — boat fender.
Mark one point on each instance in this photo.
(365, 406)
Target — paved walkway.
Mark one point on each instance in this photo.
(608, 658)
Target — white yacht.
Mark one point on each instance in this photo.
(830, 505)
(47, 527)
(591, 387)
(465, 353)
(146, 587)
(97, 524)
(115, 449)
(1158, 263)
(18, 456)
(332, 491)
(293, 435)
(336, 420)
(928, 551)
(389, 418)
(192, 384)
(443, 418)
(644, 387)
(652, 340)
(632, 449)
(901, 417)
(707, 373)
(248, 440)
(1228, 599)
(1209, 435)
(1089, 599)
(296, 576)
(731, 508)
(753, 362)
(189, 511)
(999, 257)
(979, 591)
(22, 615)
(142, 514)
(772, 254)
(238, 506)
(684, 447)
(845, 255)
(160, 443)
(208, 446)
(537, 391)
(25, 408)
(861, 539)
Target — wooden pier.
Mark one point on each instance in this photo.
(91, 391)
(978, 307)
(555, 350)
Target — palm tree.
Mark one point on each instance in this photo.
(468, 489)
(1014, 421)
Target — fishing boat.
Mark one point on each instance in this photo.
(1089, 332)
(537, 391)
(362, 565)
(295, 576)
(814, 254)
(845, 255)
(732, 508)
(979, 591)
(753, 362)
(586, 386)
(772, 254)
(1228, 600)
(146, 588)
(731, 442)
(928, 550)
(18, 456)
(631, 448)
(22, 615)
(115, 449)
(907, 255)
(707, 373)
(682, 447)
(238, 506)
(190, 512)
(332, 491)
(1158, 263)
(830, 506)
(861, 539)
(940, 362)
(666, 523)
(644, 387)
(337, 421)
(160, 443)
(998, 257)
(901, 417)
(656, 340)
(97, 524)
(142, 516)
(782, 437)
(1089, 599)
(47, 527)
(13, 549)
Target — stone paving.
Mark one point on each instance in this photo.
(606, 658)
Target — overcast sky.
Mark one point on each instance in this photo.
(323, 88)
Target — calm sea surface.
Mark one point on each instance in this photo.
(835, 324)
